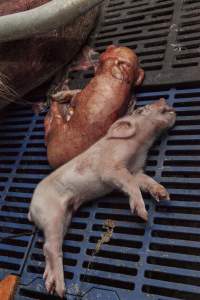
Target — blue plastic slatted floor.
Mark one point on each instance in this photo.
(158, 260)
(164, 34)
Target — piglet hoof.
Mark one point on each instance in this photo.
(158, 192)
(60, 289)
(142, 214)
(139, 209)
(49, 283)
(52, 285)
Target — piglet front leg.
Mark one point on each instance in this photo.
(148, 184)
(124, 180)
(65, 96)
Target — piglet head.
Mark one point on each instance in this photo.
(149, 119)
(124, 64)
(158, 113)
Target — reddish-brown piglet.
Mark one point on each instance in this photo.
(71, 129)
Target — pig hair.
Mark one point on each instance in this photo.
(7, 93)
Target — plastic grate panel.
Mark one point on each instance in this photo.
(164, 33)
(159, 260)
(16, 232)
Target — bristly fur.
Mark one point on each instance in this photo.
(26, 64)
(7, 93)
(12, 6)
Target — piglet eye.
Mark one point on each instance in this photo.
(164, 109)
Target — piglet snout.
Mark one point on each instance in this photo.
(163, 113)
(162, 106)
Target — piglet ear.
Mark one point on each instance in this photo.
(140, 77)
(122, 129)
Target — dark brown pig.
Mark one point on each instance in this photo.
(71, 130)
(115, 161)
(25, 64)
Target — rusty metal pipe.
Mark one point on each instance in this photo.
(42, 19)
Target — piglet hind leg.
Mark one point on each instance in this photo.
(125, 181)
(148, 184)
(54, 233)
